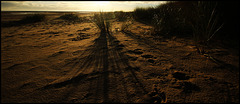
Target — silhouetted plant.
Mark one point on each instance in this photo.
(102, 22)
(203, 17)
(108, 15)
(121, 16)
(166, 18)
(143, 15)
(199, 19)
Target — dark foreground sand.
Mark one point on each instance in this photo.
(59, 61)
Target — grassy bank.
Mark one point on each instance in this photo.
(204, 21)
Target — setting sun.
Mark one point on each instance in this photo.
(101, 5)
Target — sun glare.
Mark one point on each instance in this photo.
(101, 3)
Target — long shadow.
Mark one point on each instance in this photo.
(97, 60)
(124, 61)
(101, 44)
(225, 65)
(140, 39)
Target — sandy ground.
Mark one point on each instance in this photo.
(58, 61)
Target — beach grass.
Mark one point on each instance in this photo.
(102, 21)
(196, 19)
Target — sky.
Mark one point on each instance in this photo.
(76, 5)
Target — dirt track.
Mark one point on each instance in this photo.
(60, 62)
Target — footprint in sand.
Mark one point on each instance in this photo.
(70, 35)
(8, 36)
(81, 34)
(180, 76)
(154, 96)
(136, 51)
(147, 56)
(153, 75)
(151, 60)
(33, 34)
(120, 47)
(116, 41)
(132, 58)
(187, 87)
(184, 84)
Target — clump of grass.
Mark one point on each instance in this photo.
(205, 23)
(125, 25)
(121, 16)
(70, 17)
(143, 15)
(102, 22)
(109, 15)
(198, 19)
(166, 19)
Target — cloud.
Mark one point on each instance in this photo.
(139, 2)
(8, 5)
(75, 5)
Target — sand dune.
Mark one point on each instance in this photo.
(59, 61)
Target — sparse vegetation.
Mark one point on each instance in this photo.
(70, 17)
(26, 20)
(121, 16)
(125, 25)
(200, 20)
(102, 21)
(144, 15)
(33, 18)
